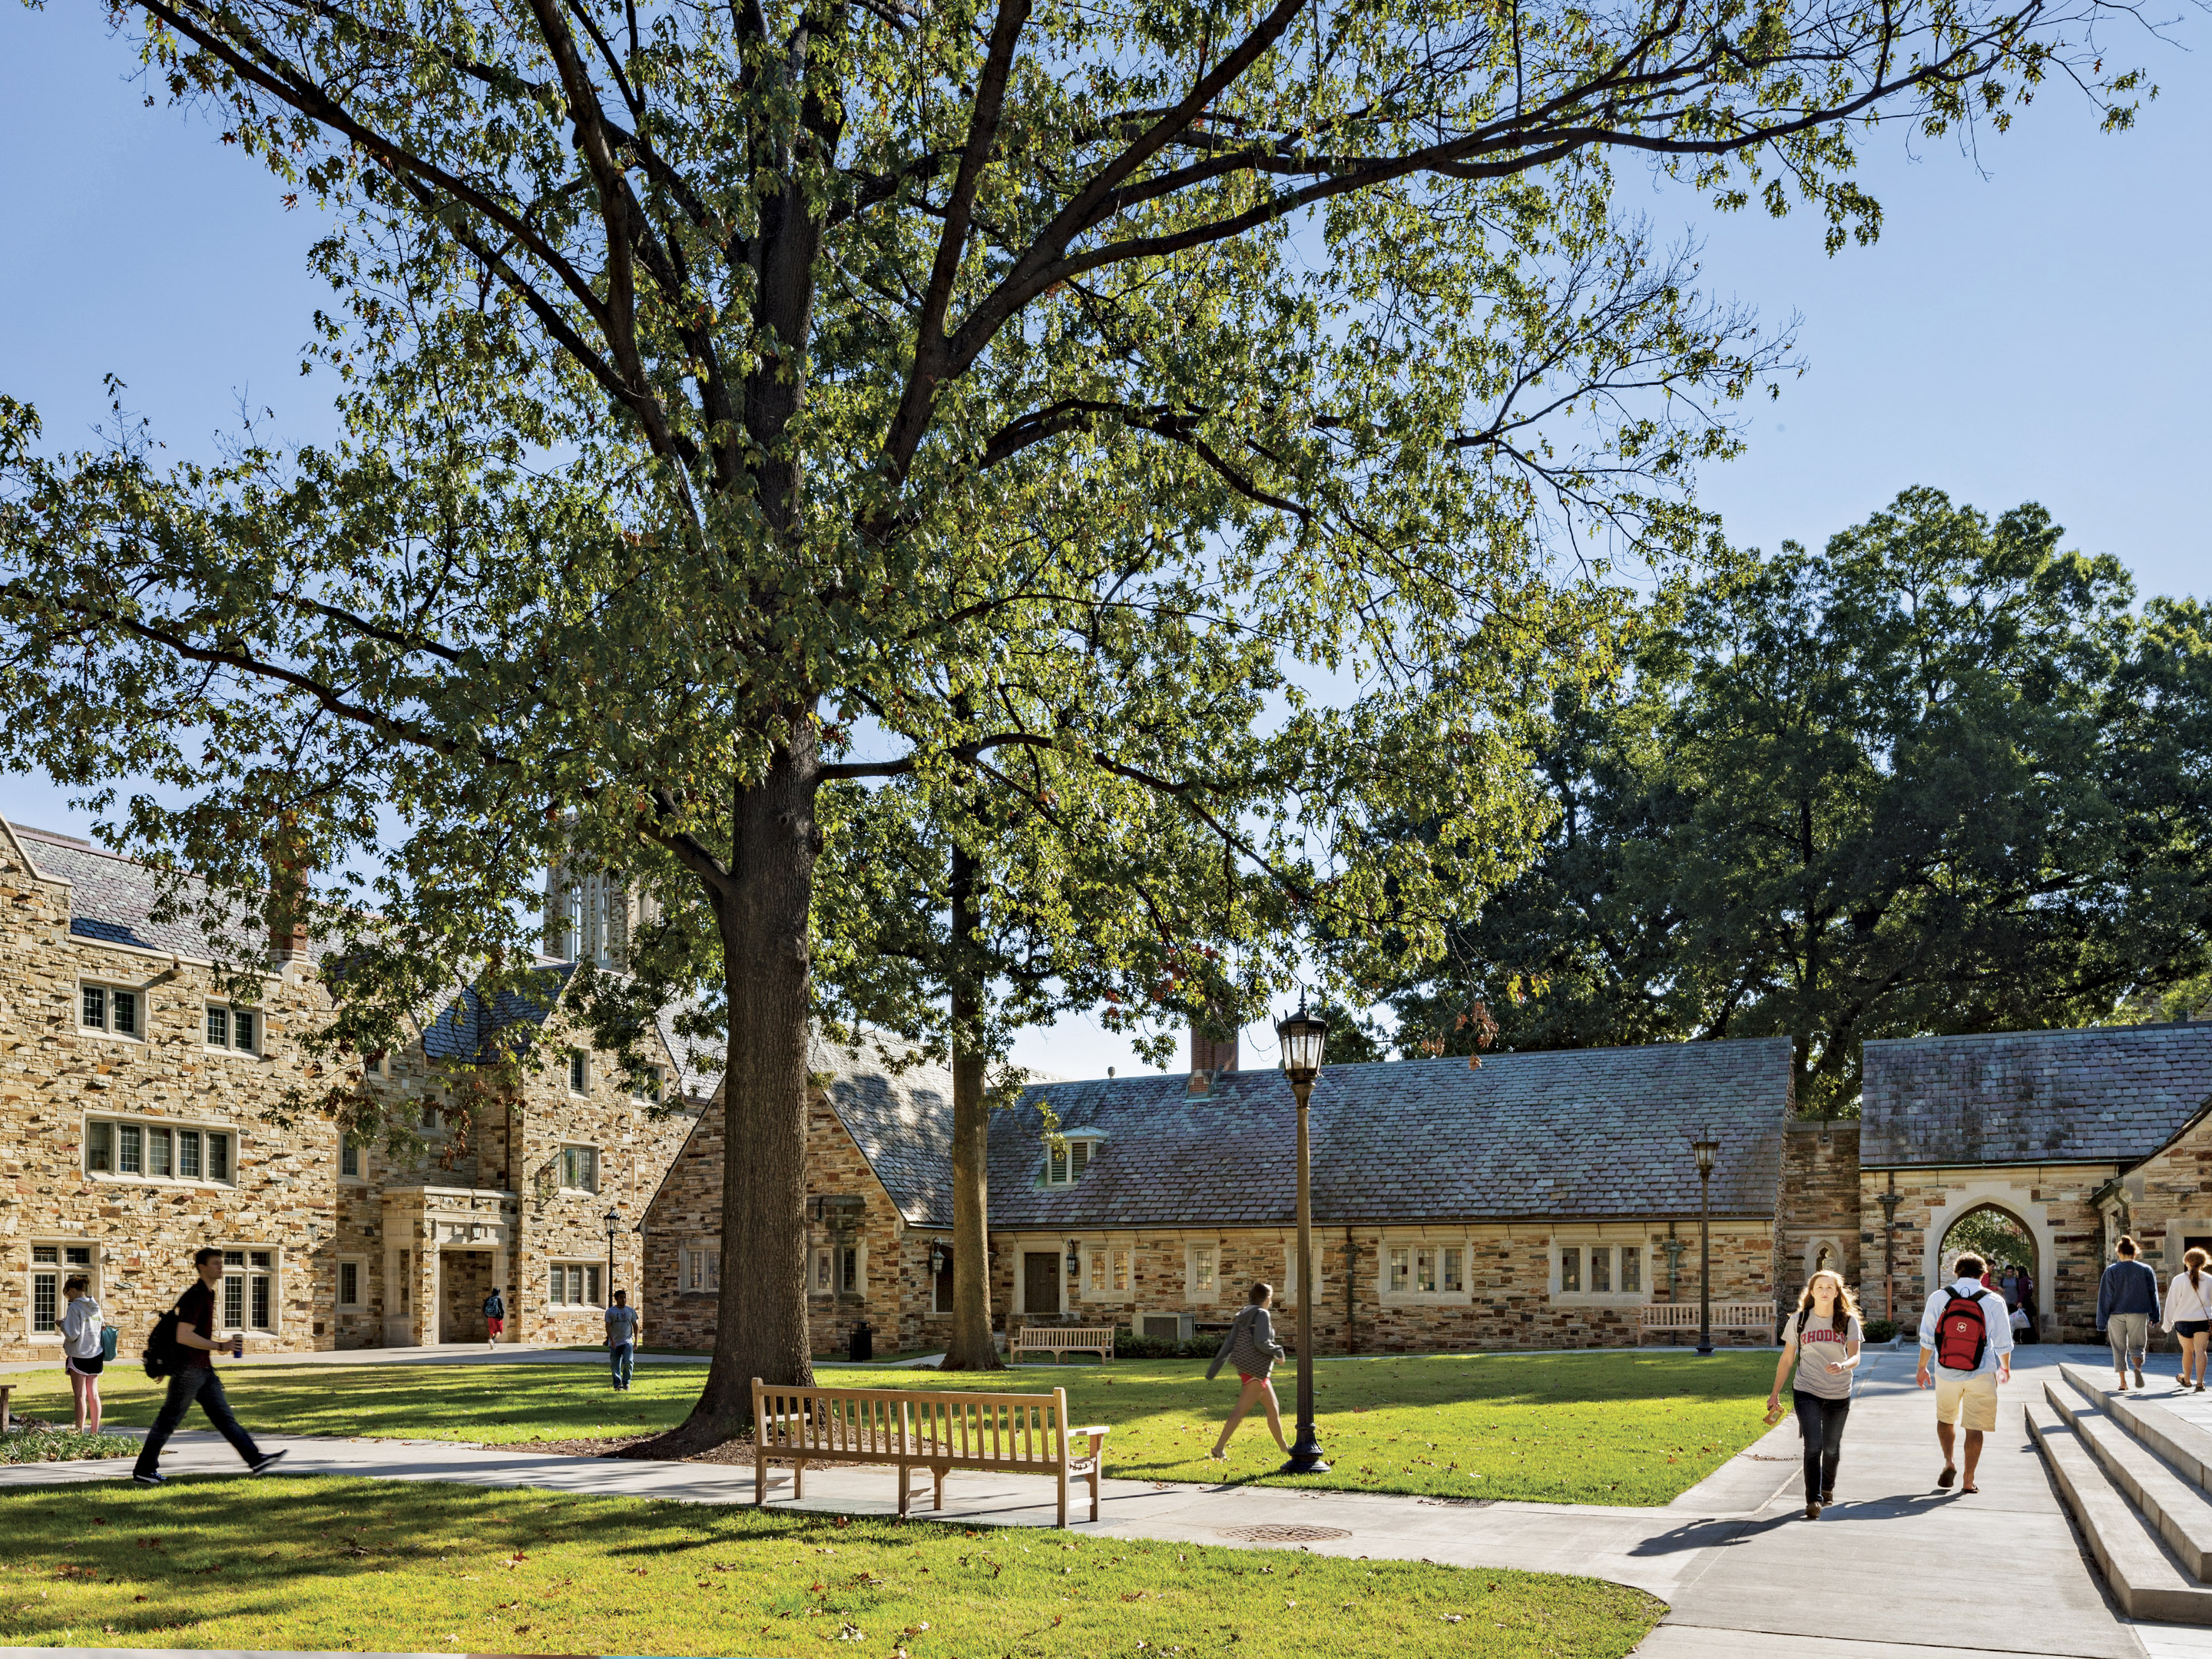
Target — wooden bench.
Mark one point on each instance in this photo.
(1057, 1340)
(930, 1429)
(6, 1391)
(1679, 1316)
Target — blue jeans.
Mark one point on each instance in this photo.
(621, 1357)
(201, 1383)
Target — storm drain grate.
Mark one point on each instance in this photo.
(1457, 1503)
(1281, 1535)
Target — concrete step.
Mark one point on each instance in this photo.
(2141, 1573)
(2179, 1508)
(2179, 1442)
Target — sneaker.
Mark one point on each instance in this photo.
(2139, 1377)
(260, 1465)
(151, 1480)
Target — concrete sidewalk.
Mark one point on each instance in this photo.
(1896, 1570)
(441, 1354)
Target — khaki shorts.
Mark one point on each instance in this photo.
(1969, 1401)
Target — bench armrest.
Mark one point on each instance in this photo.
(1096, 1431)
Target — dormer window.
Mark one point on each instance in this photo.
(1066, 1156)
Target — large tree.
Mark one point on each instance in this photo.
(737, 396)
(1940, 776)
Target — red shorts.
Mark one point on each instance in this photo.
(496, 1325)
(1247, 1376)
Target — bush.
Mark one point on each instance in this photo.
(1880, 1330)
(44, 1442)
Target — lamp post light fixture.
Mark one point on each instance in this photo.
(1302, 1036)
(1708, 1151)
(612, 1221)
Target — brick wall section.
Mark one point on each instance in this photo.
(1820, 1202)
(287, 1194)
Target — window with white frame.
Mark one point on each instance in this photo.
(699, 1268)
(1067, 1157)
(579, 1169)
(115, 1010)
(837, 1270)
(572, 1284)
(1106, 1273)
(579, 1072)
(1201, 1272)
(53, 1266)
(1425, 1270)
(144, 1149)
(645, 1086)
(233, 1028)
(249, 1290)
(1598, 1270)
(351, 1274)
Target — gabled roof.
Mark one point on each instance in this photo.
(2112, 1094)
(464, 1029)
(1591, 1133)
(112, 899)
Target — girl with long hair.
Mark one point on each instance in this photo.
(1823, 1337)
(2189, 1315)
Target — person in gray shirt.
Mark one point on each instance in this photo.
(1823, 1337)
(622, 1339)
(1251, 1347)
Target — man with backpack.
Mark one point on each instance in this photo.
(1965, 1334)
(183, 1347)
(495, 1313)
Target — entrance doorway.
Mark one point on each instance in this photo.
(465, 1279)
(2003, 1242)
(1041, 1282)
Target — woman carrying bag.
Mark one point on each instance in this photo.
(2189, 1315)
(1251, 1347)
(83, 1351)
(1823, 1337)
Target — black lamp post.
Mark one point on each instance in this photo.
(1301, 1037)
(1707, 1150)
(612, 1221)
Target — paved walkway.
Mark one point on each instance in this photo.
(1897, 1570)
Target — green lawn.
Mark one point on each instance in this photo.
(1621, 1428)
(357, 1565)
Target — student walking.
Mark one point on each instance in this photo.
(1824, 1339)
(1251, 1347)
(191, 1364)
(495, 1312)
(83, 1352)
(2127, 1307)
(1966, 1337)
(622, 1340)
(2189, 1315)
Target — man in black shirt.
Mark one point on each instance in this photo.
(194, 1378)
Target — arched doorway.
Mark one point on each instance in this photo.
(2003, 1240)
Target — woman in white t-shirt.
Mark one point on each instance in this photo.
(82, 1356)
(2188, 1315)
(1823, 1337)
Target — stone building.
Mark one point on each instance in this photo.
(1537, 1201)
(135, 1127)
(2074, 1137)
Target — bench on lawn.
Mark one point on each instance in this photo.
(1675, 1316)
(932, 1428)
(1057, 1340)
(6, 1391)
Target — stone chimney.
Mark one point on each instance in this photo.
(1209, 1057)
(285, 910)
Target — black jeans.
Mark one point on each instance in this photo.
(1821, 1424)
(201, 1383)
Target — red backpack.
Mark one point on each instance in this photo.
(1962, 1333)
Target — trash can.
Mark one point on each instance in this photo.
(863, 1347)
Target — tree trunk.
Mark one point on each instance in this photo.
(761, 1328)
(971, 1348)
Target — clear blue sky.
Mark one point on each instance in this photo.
(2032, 325)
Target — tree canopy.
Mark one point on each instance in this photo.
(1940, 776)
(741, 401)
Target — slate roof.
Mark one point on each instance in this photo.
(2112, 1094)
(901, 1120)
(1591, 1132)
(111, 899)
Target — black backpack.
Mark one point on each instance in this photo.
(164, 1353)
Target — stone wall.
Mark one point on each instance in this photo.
(2055, 1203)
(1819, 1211)
(286, 1197)
(2166, 1200)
